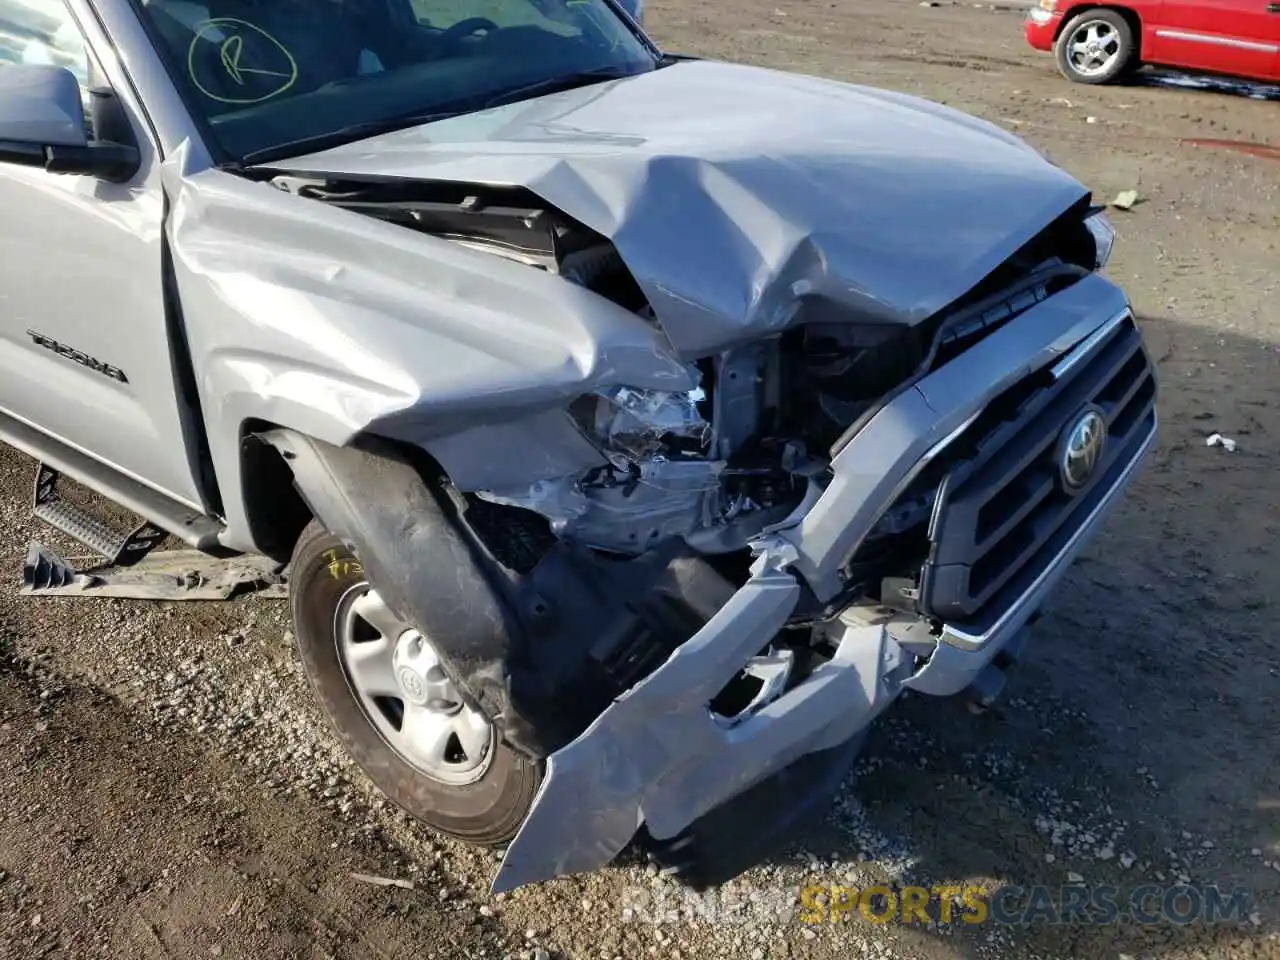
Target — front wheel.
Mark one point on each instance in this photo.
(397, 713)
(1095, 47)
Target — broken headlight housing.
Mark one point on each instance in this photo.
(633, 424)
(1104, 236)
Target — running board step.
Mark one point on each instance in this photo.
(118, 549)
(195, 527)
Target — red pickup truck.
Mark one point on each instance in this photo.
(1096, 44)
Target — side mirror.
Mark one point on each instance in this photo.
(42, 124)
(635, 8)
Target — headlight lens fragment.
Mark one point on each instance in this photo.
(1104, 236)
(642, 424)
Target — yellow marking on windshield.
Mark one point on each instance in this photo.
(278, 61)
(232, 50)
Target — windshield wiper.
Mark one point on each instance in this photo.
(556, 84)
(336, 138)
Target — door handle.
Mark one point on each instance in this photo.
(1273, 8)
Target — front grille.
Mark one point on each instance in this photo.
(1003, 511)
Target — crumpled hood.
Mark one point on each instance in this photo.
(736, 193)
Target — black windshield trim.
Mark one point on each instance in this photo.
(340, 137)
(363, 131)
(559, 84)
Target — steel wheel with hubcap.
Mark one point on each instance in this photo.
(1095, 47)
(397, 676)
(395, 708)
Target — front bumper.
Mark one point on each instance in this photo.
(657, 757)
(1041, 28)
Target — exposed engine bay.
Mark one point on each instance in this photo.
(718, 464)
(614, 567)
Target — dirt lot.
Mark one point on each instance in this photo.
(168, 790)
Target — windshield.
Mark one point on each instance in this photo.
(270, 77)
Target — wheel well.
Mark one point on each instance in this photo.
(275, 510)
(1131, 17)
(274, 507)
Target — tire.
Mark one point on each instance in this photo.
(488, 809)
(1114, 37)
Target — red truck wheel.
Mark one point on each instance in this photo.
(1096, 46)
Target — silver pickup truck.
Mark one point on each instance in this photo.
(628, 430)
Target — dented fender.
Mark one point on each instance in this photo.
(333, 324)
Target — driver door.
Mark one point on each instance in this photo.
(85, 353)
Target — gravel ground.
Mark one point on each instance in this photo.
(168, 788)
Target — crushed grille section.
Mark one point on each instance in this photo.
(1003, 511)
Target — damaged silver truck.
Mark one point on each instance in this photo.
(630, 430)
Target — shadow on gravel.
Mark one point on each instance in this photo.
(120, 839)
(1137, 743)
